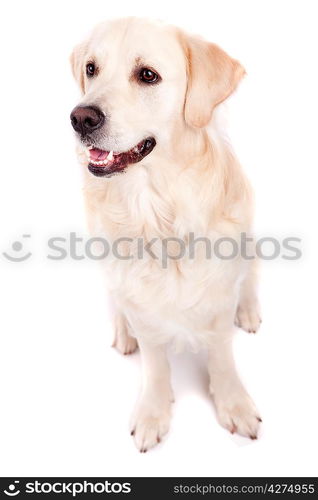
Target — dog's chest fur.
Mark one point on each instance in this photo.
(169, 294)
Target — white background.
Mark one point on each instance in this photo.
(66, 396)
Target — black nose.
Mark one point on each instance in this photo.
(86, 119)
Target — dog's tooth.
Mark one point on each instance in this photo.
(90, 147)
(110, 155)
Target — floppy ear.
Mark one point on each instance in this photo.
(212, 76)
(76, 60)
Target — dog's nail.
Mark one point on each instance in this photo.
(132, 432)
(233, 429)
(259, 419)
(253, 437)
(158, 439)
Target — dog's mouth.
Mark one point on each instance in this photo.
(107, 163)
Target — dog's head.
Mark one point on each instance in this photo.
(140, 80)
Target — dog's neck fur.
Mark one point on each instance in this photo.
(197, 186)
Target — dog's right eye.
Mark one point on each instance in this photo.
(90, 69)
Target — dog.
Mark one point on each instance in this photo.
(158, 170)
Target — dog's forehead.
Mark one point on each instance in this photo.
(129, 39)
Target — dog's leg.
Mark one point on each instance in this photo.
(248, 314)
(235, 409)
(151, 419)
(125, 343)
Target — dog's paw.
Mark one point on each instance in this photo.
(123, 341)
(237, 413)
(248, 316)
(148, 426)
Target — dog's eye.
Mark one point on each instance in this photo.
(146, 75)
(90, 69)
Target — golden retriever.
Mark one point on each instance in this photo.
(158, 172)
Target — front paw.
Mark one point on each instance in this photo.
(237, 413)
(150, 423)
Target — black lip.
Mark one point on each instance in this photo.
(124, 159)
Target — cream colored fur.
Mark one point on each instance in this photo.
(190, 182)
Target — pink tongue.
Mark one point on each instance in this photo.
(98, 154)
